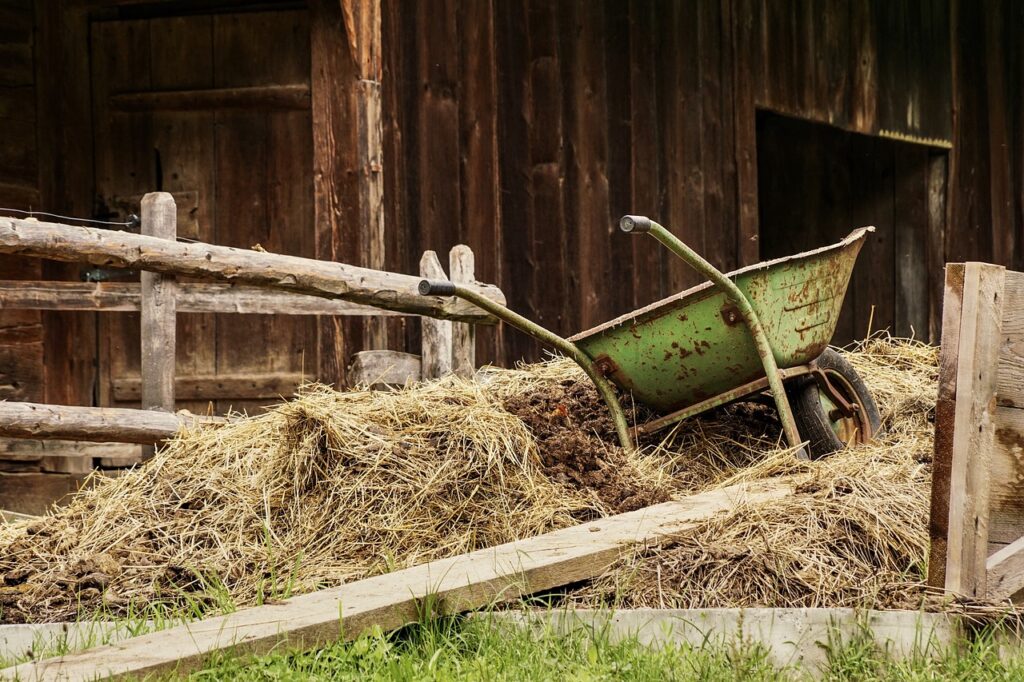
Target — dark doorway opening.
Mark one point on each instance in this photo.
(816, 183)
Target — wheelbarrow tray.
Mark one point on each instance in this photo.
(693, 346)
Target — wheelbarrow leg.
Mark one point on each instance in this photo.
(746, 310)
(604, 387)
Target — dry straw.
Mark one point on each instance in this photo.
(334, 486)
(855, 533)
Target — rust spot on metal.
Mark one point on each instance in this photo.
(605, 366)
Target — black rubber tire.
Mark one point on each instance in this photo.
(812, 421)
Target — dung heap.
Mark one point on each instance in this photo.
(334, 486)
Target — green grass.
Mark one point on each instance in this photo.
(452, 649)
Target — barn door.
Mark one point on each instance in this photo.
(240, 172)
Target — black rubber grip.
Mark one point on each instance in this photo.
(436, 287)
(635, 223)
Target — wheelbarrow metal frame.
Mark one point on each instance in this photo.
(742, 310)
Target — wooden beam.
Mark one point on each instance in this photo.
(388, 290)
(436, 336)
(462, 266)
(976, 362)
(97, 424)
(192, 297)
(159, 216)
(219, 386)
(266, 97)
(392, 600)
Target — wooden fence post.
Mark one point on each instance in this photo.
(461, 264)
(971, 338)
(159, 219)
(436, 344)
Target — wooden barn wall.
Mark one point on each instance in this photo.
(986, 190)
(525, 128)
(21, 331)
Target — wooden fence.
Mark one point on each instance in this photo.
(977, 514)
(251, 282)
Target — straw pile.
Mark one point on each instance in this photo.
(331, 487)
(324, 489)
(855, 534)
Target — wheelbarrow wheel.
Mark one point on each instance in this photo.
(820, 419)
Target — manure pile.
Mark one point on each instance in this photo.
(334, 486)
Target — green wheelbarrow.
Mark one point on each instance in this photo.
(763, 327)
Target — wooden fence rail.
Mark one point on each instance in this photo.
(388, 290)
(95, 424)
(252, 282)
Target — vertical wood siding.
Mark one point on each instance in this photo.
(526, 127)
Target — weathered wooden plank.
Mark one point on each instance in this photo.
(549, 290)
(158, 310)
(945, 412)
(478, 119)
(973, 431)
(384, 368)
(344, 43)
(1006, 571)
(1006, 498)
(263, 183)
(290, 273)
(436, 120)
(389, 601)
(911, 240)
(67, 184)
(219, 386)
(645, 176)
(1011, 355)
(587, 192)
(35, 493)
(292, 96)
(937, 168)
(97, 424)
(462, 267)
(24, 450)
(192, 297)
(436, 334)
(371, 182)
(512, 44)
(66, 456)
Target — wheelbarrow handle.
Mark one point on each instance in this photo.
(635, 223)
(641, 224)
(436, 287)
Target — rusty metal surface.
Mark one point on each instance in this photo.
(684, 349)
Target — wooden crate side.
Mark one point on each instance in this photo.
(945, 408)
(975, 364)
(1011, 355)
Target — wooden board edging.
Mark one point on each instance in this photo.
(456, 584)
